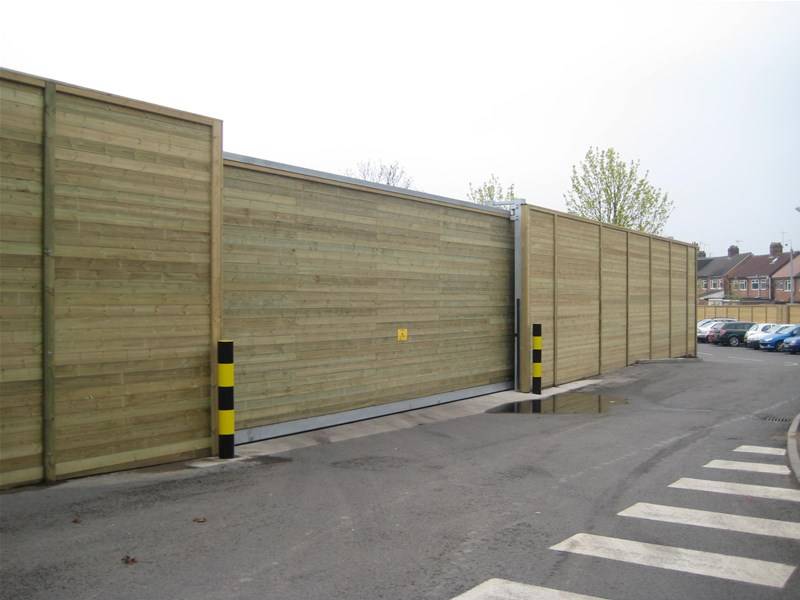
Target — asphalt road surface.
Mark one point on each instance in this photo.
(683, 492)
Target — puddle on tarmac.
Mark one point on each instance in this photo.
(563, 404)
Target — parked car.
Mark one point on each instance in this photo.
(732, 334)
(759, 330)
(774, 341)
(791, 344)
(713, 331)
(705, 321)
(702, 330)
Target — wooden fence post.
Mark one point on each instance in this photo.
(555, 300)
(600, 300)
(215, 276)
(48, 285)
(650, 283)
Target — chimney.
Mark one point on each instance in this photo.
(775, 249)
(733, 250)
(701, 254)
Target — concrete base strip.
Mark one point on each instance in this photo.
(713, 520)
(737, 489)
(753, 467)
(502, 589)
(722, 566)
(761, 450)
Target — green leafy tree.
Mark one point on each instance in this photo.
(490, 192)
(607, 189)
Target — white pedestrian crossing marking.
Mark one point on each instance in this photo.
(723, 566)
(738, 489)
(762, 450)
(714, 520)
(754, 467)
(502, 589)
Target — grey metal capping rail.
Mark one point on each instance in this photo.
(411, 194)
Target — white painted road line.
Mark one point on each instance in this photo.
(723, 566)
(747, 359)
(761, 450)
(737, 489)
(714, 520)
(502, 589)
(754, 467)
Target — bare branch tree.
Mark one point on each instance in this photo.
(609, 190)
(380, 172)
(490, 192)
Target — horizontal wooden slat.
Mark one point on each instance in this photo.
(21, 126)
(132, 225)
(318, 277)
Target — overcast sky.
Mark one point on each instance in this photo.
(706, 95)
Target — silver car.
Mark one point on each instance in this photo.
(759, 330)
(702, 330)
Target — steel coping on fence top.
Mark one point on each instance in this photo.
(258, 162)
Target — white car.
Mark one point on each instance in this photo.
(702, 330)
(758, 331)
(704, 321)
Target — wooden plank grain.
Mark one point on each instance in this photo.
(21, 286)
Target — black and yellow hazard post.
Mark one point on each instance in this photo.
(536, 358)
(225, 412)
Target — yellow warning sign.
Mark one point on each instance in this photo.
(402, 334)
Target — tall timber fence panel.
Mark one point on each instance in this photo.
(756, 313)
(605, 296)
(106, 273)
(342, 297)
(21, 137)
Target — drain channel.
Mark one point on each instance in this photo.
(774, 419)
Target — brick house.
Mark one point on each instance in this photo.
(784, 285)
(753, 279)
(712, 282)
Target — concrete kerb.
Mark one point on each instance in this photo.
(384, 424)
(793, 447)
(679, 359)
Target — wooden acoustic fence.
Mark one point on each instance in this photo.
(756, 313)
(121, 266)
(605, 296)
(107, 252)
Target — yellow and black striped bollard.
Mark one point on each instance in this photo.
(536, 358)
(226, 425)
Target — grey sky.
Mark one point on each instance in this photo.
(706, 95)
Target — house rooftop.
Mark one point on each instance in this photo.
(763, 265)
(702, 262)
(786, 270)
(719, 265)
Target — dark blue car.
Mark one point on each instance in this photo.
(775, 341)
(792, 344)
